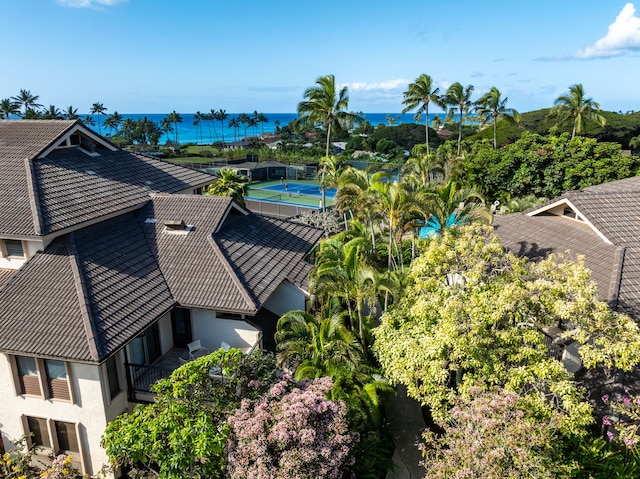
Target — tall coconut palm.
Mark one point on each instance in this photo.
(27, 101)
(418, 95)
(88, 120)
(222, 116)
(9, 107)
(235, 124)
(262, 119)
(113, 122)
(127, 129)
(449, 206)
(52, 113)
(175, 118)
(98, 109)
(245, 120)
(459, 99)
(229, 183)
(325, 105)
(492, 107)
(399, 207)
(197, 122)
(576, 107)
(71, 113)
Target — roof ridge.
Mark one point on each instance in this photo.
(83, 293)
(242, 288)
(34, 198)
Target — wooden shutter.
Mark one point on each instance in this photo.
(59, 389)
(30, 385)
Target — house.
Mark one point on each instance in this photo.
(111, 265)
(600, 223)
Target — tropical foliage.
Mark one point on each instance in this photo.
(474, 316)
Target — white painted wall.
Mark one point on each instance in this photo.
(211, 330)
(285, 298)
(166, 335)
(88, 409)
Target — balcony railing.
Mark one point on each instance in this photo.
(141, 377)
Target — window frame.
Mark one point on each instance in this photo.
(111, 391)
(52, 436)
(4, 250)
(48, 386)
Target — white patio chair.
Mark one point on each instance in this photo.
(193, 347)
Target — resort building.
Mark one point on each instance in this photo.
(114, 270)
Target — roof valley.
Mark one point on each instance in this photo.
(82, 291)
(34, 197)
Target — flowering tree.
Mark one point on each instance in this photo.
(184, 432)
(292, 432)
(493, 436)
(474, 314)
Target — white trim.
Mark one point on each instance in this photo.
(583, 219)
(85, 131)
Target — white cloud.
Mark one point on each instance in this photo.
(623, 35)
(383, 86)
(89, 3)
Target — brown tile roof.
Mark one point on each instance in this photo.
(19, 140)
(264, 251)
(614, 211)
(86, 296)
(5, 275)
(93, 290)
(43, 195)
(229, 261)
(536, 237)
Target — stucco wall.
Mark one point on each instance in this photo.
(285, 298)
(88, 409)
(211, 330)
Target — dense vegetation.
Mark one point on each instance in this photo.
(410, 289)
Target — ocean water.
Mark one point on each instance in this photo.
(212, 131)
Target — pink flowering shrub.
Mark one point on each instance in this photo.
(492, 435)
(291, 432)
(626, 420)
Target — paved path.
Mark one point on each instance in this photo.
(407, 425)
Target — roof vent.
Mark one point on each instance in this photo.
(175, 225)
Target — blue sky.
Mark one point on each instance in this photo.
(154, 56)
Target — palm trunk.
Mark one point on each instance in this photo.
(460, 131)
(426, 125)
(495, 136)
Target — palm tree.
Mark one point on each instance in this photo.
(262, 119)
(399, 206)
(316, 346)
(418, 95)
(325, 105)
(459, 97)
(113, 122)
(166, 126)
(575, 106)
(222, 116)
(98, 109)
(71, 113)
(423, 167)
(245, 120)
(27, 101)
(229, 183)
(174, 118)
(492, 107)
(88, 120)
(52, 113)
(449, 206)
(9, 107)
(128, 128)
(235, 124)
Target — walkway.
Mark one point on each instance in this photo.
(407, 425)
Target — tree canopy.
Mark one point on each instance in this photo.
(473, 316)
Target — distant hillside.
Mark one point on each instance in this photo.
(620, 127)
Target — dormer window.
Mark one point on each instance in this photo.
(12, 249)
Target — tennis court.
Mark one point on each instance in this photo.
(301, 193)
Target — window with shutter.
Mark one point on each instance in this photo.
(28, 376)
